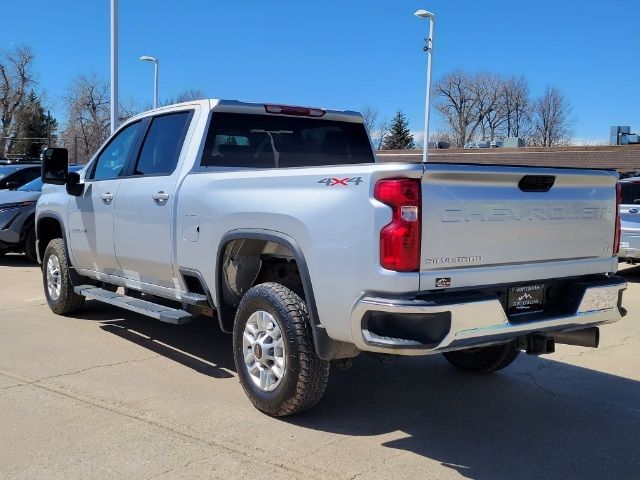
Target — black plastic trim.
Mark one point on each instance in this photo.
(196, 273)
(427, 330)
(536, 183)
(326, 347)
(74, 276)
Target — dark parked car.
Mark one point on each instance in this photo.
(16, 175)
(17, 211)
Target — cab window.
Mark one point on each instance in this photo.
(163, 144)
(111, 161)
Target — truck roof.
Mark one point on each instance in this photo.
(236, 106)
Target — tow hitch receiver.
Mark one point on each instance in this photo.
(539, 344)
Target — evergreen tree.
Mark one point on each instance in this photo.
(30, 122)
(399, 137)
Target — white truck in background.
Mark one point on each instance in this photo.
(281, 222)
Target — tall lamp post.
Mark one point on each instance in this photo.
(428, 47)
(114, 65)
(147, 58)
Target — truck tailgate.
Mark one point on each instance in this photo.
(481, 217)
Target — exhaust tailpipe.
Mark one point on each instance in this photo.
(588, 337)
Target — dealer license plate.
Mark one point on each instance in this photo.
(526, 299)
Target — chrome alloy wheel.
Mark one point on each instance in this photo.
(264, 350)
(54, 277)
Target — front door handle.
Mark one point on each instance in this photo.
(106, 197)
(160, 196)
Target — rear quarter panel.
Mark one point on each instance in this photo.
(336, 227)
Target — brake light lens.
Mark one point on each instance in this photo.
(616, 236)
(297, 111)
(400, 239)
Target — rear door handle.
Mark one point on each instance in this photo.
(160, 196)
(106, 197)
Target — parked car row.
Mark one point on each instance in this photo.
(18, 207)
(16, 175)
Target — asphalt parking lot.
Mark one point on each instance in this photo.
(110, 394)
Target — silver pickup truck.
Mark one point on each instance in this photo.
(281, 224)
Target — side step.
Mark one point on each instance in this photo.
(150, 309)
(195, 299)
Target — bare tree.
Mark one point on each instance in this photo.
(16, 78)
(184, 96)
(88, 117)
(370, 118)
(455, 103)
(442, 136)
(465, 101)
(490, 89)
(517, 106)
(87, 106)
(379, 135)
(551, 119)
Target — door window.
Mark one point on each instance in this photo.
(162, 145)
(111, 161)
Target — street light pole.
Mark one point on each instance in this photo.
(428, 47)
(114, 65)
(156, 63)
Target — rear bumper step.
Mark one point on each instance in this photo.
(143, 307)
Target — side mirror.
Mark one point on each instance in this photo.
(74, 187)
(636, 201)
(55, 166)
(11, 185)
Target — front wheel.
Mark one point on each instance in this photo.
(274, 352)
(484, 359)
(57, 280)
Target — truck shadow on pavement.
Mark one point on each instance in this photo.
(16, 260)
(630, 273)
(537, 419)
(200, 346)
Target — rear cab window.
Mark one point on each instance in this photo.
(275, 141)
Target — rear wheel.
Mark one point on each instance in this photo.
(57, 280)
(484, 359)
(30, 246)
(274, 352)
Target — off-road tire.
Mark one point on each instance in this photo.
(305, 375)
(30, 245)
(68, 301)
(484, 359)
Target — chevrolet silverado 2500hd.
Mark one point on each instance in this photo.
(281, 222)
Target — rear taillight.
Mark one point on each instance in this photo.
(400, 239)
(616, 236)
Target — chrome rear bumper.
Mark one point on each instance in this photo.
(476, 320)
